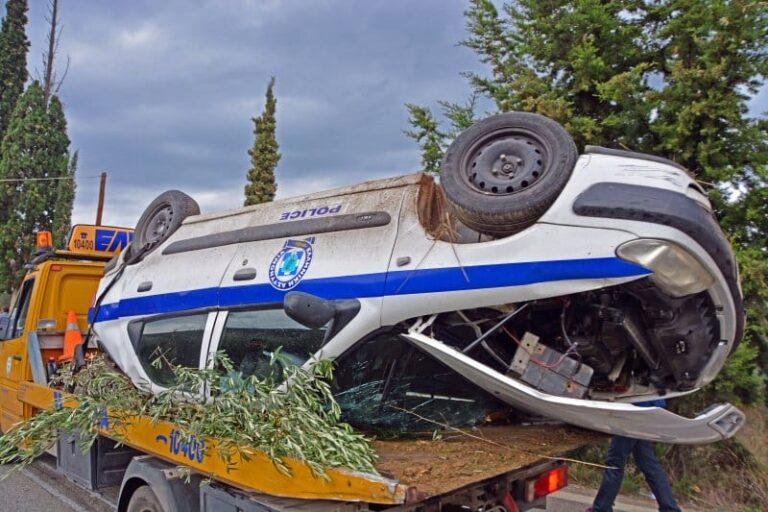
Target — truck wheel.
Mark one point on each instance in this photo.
(144, 500)
(160, 220)
(505, 171)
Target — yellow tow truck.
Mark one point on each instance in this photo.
(509, 468)
(57, 281)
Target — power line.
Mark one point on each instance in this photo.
(9, 180)
(16, 180)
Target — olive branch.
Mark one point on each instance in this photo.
(290, 414)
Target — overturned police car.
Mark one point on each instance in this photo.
(528, 279)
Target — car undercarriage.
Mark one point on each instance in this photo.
(627, 337)
(617, 343)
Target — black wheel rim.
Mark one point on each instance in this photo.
(158, 225)
(505, 162)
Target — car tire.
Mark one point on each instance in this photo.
(505, 171)
(144, 500)
(160, 220)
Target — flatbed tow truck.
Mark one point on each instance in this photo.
(506, 468)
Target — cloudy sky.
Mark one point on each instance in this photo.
(160, 94)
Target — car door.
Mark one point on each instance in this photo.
(13, 356)
(165, 342)
(250, 337)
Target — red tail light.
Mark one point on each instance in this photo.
(546, 483)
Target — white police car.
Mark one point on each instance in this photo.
(529, 279)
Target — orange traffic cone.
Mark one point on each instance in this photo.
(72, 337)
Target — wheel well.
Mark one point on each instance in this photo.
(127, 491)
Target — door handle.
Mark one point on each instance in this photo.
(245, 274)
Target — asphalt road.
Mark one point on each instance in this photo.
(22, 490)
(38, 488)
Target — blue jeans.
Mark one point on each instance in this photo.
(645, 459)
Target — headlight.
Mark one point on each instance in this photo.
(675, 270)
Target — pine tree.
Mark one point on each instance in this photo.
(594, 67)
(65, 198)
(264, 154)
(571, 61)
(34, 153)
(13, 59)
(712, 55)
(425, 130)
(667, 77)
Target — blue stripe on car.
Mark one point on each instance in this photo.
(401, 282)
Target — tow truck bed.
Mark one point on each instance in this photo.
(412, 470)
(436, 468)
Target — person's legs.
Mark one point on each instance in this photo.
(646, 460)
(618, 452)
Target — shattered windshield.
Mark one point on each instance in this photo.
(386, 384)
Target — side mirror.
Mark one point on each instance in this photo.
(309, 310)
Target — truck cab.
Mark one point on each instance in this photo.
(57, 282)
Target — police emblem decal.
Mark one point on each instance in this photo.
(290, 264)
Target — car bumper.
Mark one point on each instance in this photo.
(651, 423)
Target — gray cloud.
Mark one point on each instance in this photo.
(160, 94)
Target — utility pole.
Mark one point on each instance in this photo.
(102, 189)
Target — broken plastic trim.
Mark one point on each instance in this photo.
(651, 423)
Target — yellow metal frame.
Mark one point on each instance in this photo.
(257, 474)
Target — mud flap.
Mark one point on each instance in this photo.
(652, 423)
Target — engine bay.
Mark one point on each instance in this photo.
(616, 342)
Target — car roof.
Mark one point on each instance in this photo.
(367, 186)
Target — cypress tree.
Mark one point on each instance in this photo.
(13, 59)
(34, 155)
(58, 140)
(265, 155)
